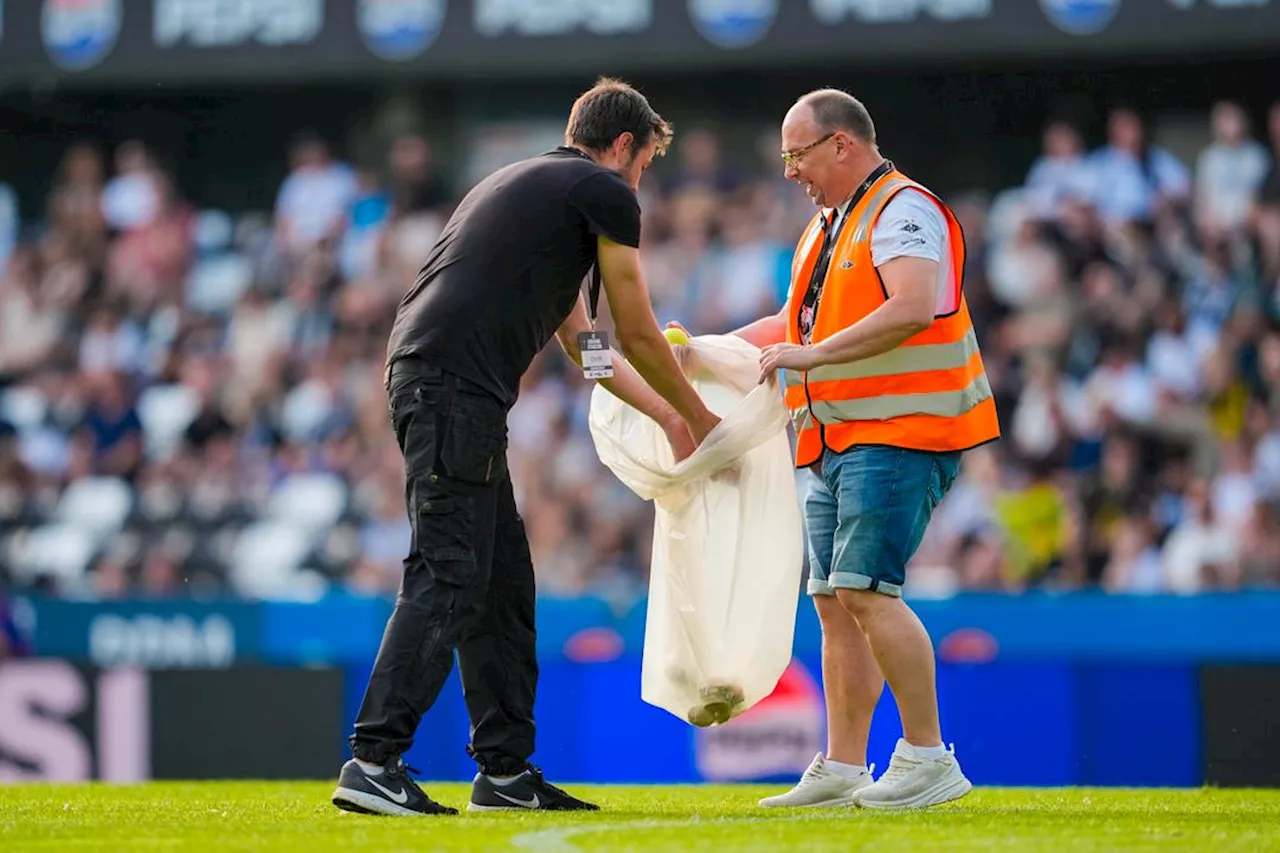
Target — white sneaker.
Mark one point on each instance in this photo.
(820, 786)
(912, 783)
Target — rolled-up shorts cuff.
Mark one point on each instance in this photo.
(820, 587)
(852, 580)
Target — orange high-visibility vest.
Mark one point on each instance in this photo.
(929, 393)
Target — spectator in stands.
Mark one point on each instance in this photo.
(131, 199)
(1260, 547)
(313, 201)
(1041, 427)
(1061, 176)
(364, 233)
(1027, 272)
(1198, 548)
(1133, 563)
(1111, 497)
(980, 563)
(258, 338)
(112, 342)
(17, 484)
(148, 264)
(1228, 173)
(112, 429)
(700, 166)
(1133, 178)
(75, 203)
(742, 276)
(1119, 390)
(1267, 205)
(1036, 520)
(31, 327)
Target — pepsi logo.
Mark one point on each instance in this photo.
(1080, 17)
(594, 645)
(733, 24)
(398, 30)
(968, 645)
(79, 34)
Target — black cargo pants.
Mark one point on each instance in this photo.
(468, 581)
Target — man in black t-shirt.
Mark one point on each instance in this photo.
(504, 278)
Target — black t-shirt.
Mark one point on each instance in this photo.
(509, 265)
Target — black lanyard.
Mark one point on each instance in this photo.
(829, 235)
(593, 293)
(880, 171)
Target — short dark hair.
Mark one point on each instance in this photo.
(609, 109)
(835, 110)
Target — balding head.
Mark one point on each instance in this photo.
(833, 110)
(829, 145)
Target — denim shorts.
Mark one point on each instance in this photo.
(867, 511)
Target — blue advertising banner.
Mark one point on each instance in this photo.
(1102, 627)
(345, 630)
(1079, 626)
(1046, 724)
(1068, 679)
(154, 634)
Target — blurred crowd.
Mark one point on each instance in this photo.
(1128, 304)
(191, 400)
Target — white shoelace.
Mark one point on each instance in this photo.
(818, 770)
(815, 771)
(899, 766)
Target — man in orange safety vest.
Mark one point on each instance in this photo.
(886, 388)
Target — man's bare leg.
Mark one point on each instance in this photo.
(852, 683)
(922, 772)
(902, 649)
(851, 679)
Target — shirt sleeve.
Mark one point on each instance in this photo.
(284, 198)
(911, 226)
(1040, 173)
(610, 207)
(1171, 176)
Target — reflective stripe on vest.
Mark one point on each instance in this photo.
(902, 360)
(801, 420)
(872, 207)
(793, 385)
(942, 404)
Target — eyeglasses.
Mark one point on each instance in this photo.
(792, 158)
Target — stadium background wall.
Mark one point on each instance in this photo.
(165, 690)
(96, 41)
(985, 83)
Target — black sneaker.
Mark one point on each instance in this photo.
(527, 791)
(389, 791)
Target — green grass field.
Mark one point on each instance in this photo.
(286, 817)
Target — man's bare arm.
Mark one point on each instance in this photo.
(761, 333)
(627, 385)
(640, 339)
(765, 331)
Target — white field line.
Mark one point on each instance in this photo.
(557, 840)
